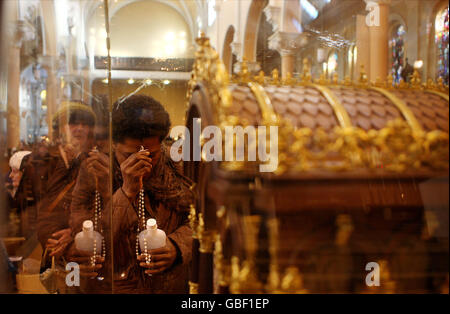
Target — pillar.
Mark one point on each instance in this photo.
(362, 46)
(51, 100)
(287, 62)
(379, 39)
(288, 45)
(13, 110)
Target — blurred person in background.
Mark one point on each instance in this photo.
(56, 173)
(19, 201)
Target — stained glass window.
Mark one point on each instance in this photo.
(397, 46)
(442, 44)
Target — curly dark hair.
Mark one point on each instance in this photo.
(139, 117)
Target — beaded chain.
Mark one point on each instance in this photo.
(98, 226)
(141, 220)
(97, 221)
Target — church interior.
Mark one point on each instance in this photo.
(357, 91)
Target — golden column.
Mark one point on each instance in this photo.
(378, 23)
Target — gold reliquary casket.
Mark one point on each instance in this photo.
(359, 191)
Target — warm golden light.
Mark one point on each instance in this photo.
(43, 95)
(418, 64)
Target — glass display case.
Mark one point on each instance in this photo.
(224, 146)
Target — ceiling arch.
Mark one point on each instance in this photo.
(189, 10)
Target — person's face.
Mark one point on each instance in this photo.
(78, 133)
(15, 176)
(130, 146)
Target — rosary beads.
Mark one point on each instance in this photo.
(98, 226)
(141, 220)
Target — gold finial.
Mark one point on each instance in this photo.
(430, 84)
(289, 80)
(416, 80)
(260, 78)
(244, 74)
(390, 81)
(275, 77)
(202, 40)
(306, 73)
(379, 82)
(322, 80)
(235, 272)
(363, 76)
(335, 78)
(402, 84)
(200, 224)
(441, 86)
(347, 81)
(292, 281)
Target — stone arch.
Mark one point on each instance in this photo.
(226, 50)
(251, 29)
(395, 20)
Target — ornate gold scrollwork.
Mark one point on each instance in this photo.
(209, 68)
(436, 152)
(305, 149)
